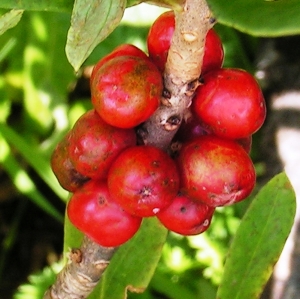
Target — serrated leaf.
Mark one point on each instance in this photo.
(10, 19)
(257, 17)
(133, 265)
(91, 22)
(259, 241)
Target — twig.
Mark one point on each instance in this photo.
(80, 276)
(182, 72)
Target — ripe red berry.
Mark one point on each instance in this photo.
(143, 180)
(186, 216)
(93, 212)
(122, 50)
(94, 144)
(159, 38)
(230, 103)
(126, 91)
(63, 168)
(215, 171)
(159, 41)
(213, 52)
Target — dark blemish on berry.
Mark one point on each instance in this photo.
(155, 164)
(101, 200)
(183, 210)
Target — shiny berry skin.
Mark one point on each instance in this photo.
(94, 213)
(230, 103)
(159, 38)
(186, 216)
(126, 91)
(215, 171)
(94, 144)
(122, 50)
(213, 52)
(63, 168)
(143, 180)
(159, 41)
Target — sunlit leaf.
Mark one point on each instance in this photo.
(10, 19)
(36, 160)
(257, 17)
(91, 22)
(23, 182)
(259, 241)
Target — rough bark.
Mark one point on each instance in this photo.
(183, 69)
(182, 72)
(82, 273)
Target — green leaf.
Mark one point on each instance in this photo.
(91, 22)
(72, 236)
(259, 241)
(133, 265)
(36, 160)
(46, 70)
(23, 182)
(40, 5)
(10, 19)
(257, 17)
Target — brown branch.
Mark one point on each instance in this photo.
(80, 276)
(181, 78)
(182, 72)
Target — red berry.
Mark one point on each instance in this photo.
(159, 38)
(63, 168)
(213, 52)
(186, 216)
(215, 171)
(122, 50)
(94, 144)
(126, 91)
(230, 103)
(143, 180)
(159, 41)
(93, 212)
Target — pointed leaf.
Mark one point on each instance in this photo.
(257, 17)
(10, 19)
(91, 22)
(259, 241)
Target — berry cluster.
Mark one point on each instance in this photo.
(116, 181)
